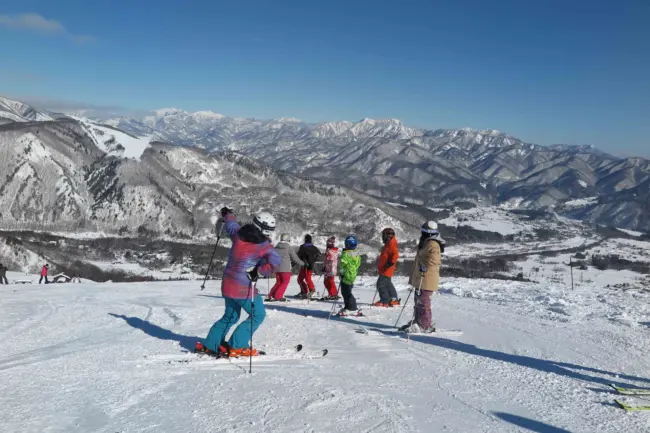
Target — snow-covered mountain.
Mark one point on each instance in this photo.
(73, 174)
(15, 111)
(391, 162)
(385, 159)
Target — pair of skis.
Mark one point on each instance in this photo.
(633, 392)
(290, 354)
(398, 333)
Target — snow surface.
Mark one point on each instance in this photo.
(487, 250)
(581, 202)
(96, 357)
(174, 272)
(630, 232)
(488, 219)
(108, 138)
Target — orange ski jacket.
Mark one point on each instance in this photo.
(388, 258)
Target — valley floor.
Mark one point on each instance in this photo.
(96, 358)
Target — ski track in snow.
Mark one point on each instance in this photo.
(99, 357)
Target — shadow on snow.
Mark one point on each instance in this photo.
(322, 314)
(529, 424)
(211, 296)
(566, 369)
(185, 341)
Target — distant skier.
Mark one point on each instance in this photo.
(3, 274)
(425, 277)
(44, 270)
(330, 270)
(251, 254)
(309, 254)
(283, 273)
(386, 267)
(350, 262)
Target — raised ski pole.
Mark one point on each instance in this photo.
(212, 258)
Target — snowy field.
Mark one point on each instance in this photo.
(509, 248)
(100, 358)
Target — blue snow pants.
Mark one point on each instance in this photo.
(241, 337)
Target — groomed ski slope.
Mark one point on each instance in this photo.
(96, 358)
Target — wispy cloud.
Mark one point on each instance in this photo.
(38, 24)
(83, 108)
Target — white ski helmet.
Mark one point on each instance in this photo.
(430, 227)
(265, 222)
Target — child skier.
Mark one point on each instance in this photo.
(330, 270)
(425, 277)
(350, 262)
(251, 254)
(283, 273)
(308, 253)
(386, 267)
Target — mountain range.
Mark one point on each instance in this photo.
(168, 170)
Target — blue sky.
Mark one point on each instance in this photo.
(569, 71)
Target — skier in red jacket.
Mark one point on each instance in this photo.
(386, 267)
(44, 271)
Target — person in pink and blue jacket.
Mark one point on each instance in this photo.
(251, 255)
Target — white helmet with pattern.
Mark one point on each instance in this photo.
(430, 227)
(265, 222)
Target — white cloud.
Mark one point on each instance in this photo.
(38, 24)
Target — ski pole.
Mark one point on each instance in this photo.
(407, 301)
(334, 304)
(373, 298)
(212, 258)
(403, 307)
(207, 272)
(250, 353)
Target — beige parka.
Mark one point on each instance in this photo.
(430, 258)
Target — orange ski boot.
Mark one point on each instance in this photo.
(244, 352)
(200, 348)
